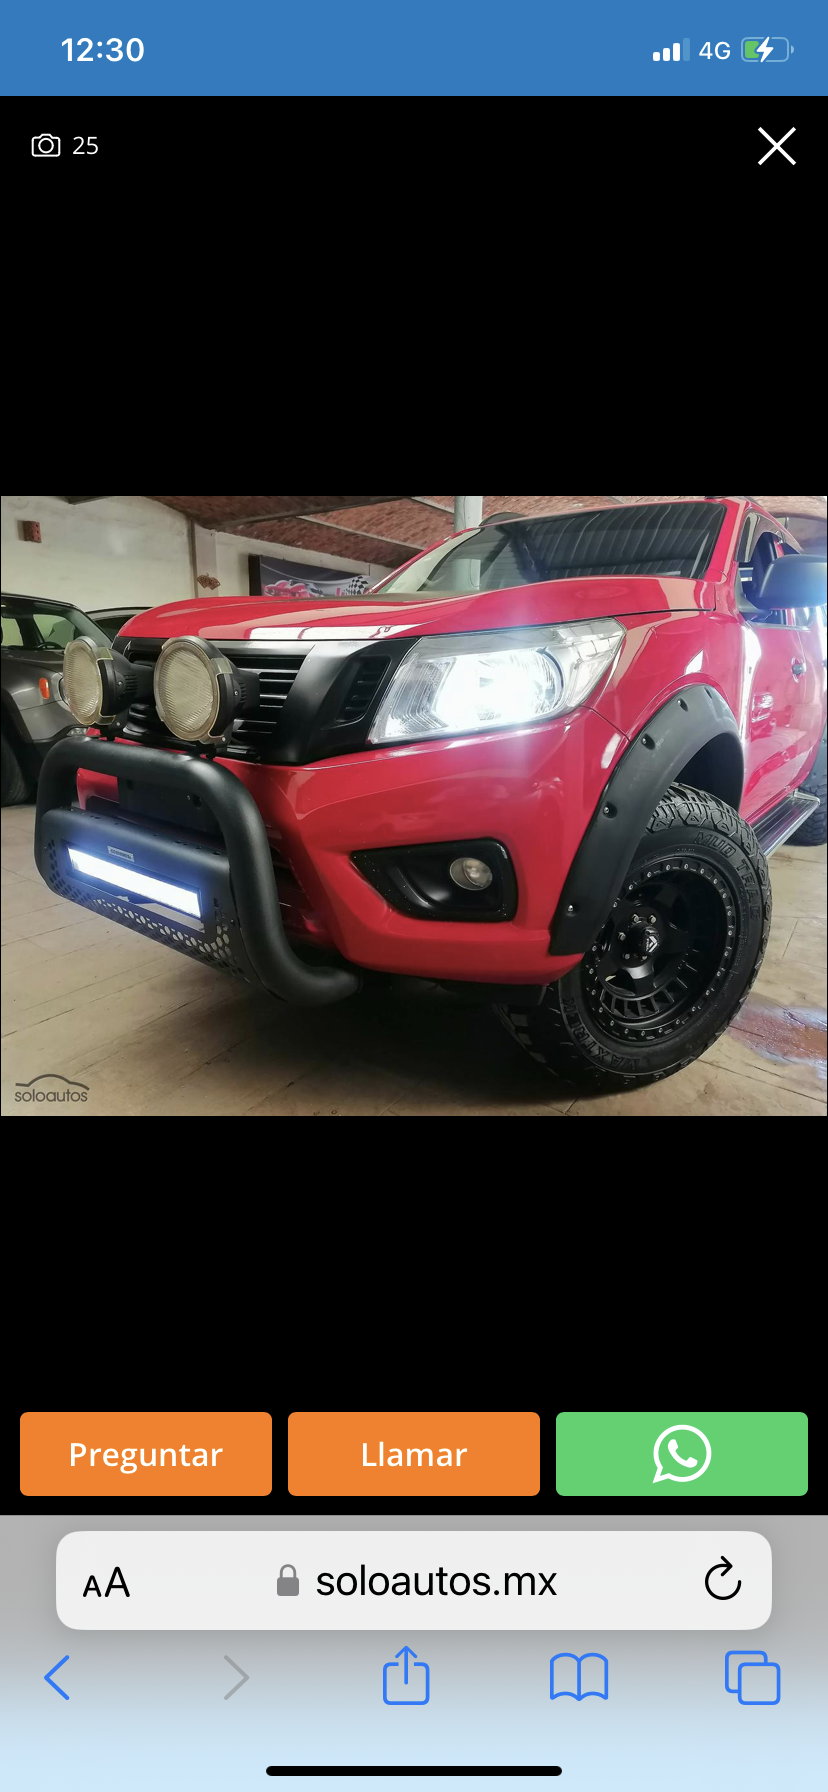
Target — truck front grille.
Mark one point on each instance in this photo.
(253, 733)
(311, 698)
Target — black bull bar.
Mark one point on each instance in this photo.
(240, 926)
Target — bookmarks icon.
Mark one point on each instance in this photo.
(581, 1682)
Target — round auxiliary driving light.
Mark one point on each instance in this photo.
(470, 874)
(82, 680)
(197, 690)
(99, 685)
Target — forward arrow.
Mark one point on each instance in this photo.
(233, 1664)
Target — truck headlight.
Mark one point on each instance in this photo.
(466, 684)
(197, 690)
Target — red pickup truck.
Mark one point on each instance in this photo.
(546, 760)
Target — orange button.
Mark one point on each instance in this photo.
(100, 1455)
(414, 1454)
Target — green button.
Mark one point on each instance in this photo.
(682, 1453)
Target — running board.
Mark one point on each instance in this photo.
(777, 826)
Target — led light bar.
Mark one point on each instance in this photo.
(171, 895)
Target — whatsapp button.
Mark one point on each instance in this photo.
(709, 1453)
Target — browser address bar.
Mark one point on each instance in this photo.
(434, 1580)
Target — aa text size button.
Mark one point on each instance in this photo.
(413, 1454)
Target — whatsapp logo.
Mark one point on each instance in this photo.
(678, 1456)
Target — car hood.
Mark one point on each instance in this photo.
(21, 666)
(372, 616)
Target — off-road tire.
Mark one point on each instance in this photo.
(814, 829)
(691, 836)
(14, 785)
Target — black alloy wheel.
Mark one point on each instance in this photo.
(662, 951)
(681, 945)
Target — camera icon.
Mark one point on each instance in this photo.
(46, 145)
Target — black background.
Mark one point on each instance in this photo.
(638, 149)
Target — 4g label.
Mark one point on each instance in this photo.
(721, 50)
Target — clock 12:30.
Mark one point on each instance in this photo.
(114, 49)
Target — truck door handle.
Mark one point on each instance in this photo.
(797, 668)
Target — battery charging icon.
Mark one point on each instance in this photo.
(765, 49)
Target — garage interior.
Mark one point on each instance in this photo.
(147, 1032)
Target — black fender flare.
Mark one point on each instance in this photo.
(690, 720)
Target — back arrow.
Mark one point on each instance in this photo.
(725, 1567)
(48, 1677)
(233, 1664)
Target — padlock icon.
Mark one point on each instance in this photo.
(287, 1586)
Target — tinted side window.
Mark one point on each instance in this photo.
(743, 549)
(761, 545)
(57, 631)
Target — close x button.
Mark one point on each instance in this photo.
(777, 146)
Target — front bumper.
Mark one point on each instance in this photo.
(533, 790)
(240, 925)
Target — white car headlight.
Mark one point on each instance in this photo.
(466, 684)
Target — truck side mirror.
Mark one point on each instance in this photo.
(796, 582)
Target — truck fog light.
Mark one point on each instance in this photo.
(197, 692)
(470, 874)
(149, 888)
(82, 680)
(97, 684)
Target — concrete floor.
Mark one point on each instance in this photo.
(151, 1033)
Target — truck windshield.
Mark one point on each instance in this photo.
(659, 540)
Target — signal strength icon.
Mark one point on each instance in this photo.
(680, 52)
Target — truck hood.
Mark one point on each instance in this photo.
(372, 616)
